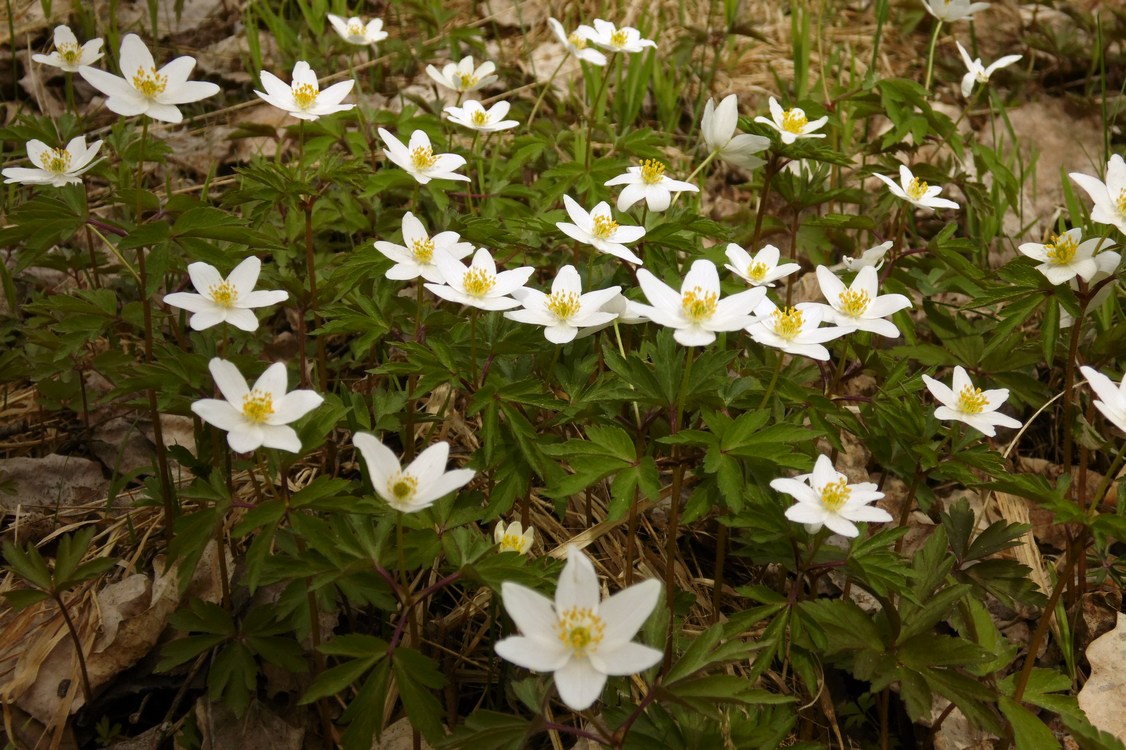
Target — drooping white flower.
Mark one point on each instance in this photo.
(55, 166)
(792, 124)
(479, 285)
(795, 330)
(258, 416)
(472, 114)
(416, 487)
(576, 44)
(860, 305)
(649, 183)
(949, 11)
(228, 300)
(696, 313)
(597, 228)
(1066, 257)
(416, 256)
(1111, 399)
(566, 309)
(1109, 196)
(68, 54)
(825, 498)
(916, 191)
(608, 36)
(514, 537)
(873, 256)
(420, 160)
(144, 90)
(978, 73)
(463, 76)
(355, 31)
(718, 128)
(578, 637)
(761, 269)
(964, 403)
(303, 98)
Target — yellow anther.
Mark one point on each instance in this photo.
(563, 305)
(355, 28)
(580, 630)
(479, 117)
(854, 302)
(305, 95)
(619, 38)
(787, 322)
(257, 406)
(402, 487)
(478, 282)
(971, 400)
(465, 81)
(576, 41)
(652, 171)
(70, 52)
(223, 294)
(604, 227)
(512, 543)
(698, 305)
(56, 160)
(835, 494)
(149, 83)
(794, 121)
(1120, 204)
(757, 271)
(1061, 250)
(423, 157)
(423, 250)
(917, 189)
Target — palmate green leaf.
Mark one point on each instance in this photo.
(417, 676)
(1029, 733)
(1089, 737)
(704, 693)
(233, 677)
(23, 598)
(363, 723)
(846, 625)
(933, 650)
(29, 565)
(337, 679)
(489, 729)
(185, 649)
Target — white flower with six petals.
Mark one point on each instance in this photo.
(649, 183)
(825, 498)
(576, 44)
(68, 54)
(860, 305)
(479, 285)
(696, 312)
(416, 487)
(964, 403)
(418, 158)
(55, 166)
(303, 98)
(795, 330)
(916, 191)
(761, 269)
(597, 228)
(608, 36)
(473, 115)
(416, 257)
(1066, 256)
(566, 309)
(354, 31)
(514, 537)
(792, 124)
(463, 76)
(228, 300)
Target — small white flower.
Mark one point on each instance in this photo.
(578, 637)
(1066, 257)
(761, 269)
(416, 257)
(566, 309)
(228, 300)
(55, 166)
(696, 313)
(873, 256)
(608, 36)
(258, 416)
(576, 44)
(418, 486)
(463, 76)
(420, 160)
(473, 115)
(949, 11)
(1109, 196)
(514, 537)
(68, 55)
(795, 330)
(145, 90)
(718, 128)
(915, 191)
(973, 406)
(355, 31)
(860, 305)
(649, 183)
(303, 98)
(1111, 399)
(978, 73)
(597, 228)
(829, 500)
(479, 285)
(792, 124)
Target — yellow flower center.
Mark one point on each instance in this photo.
(305, 95)
(512, 543)
(619, 38)
(652, 171)
(478, 282)
(149, 83)
(787, 322)
(257, 406)
(223, 294)
(423, 250)
(1120, 204)
(402, 487)
(465, 81)
(1061, 250)
(794, 121)
(423, 157)
(971, 400)
(854, 302)
(576, 41)
(56, 160)
(917, 189)
(835, 494)
(580, 630)
(698, 305)
(604, 227)
(563, 305)
(70, 52)
(355, 28)
(479, 117)
(757, 271)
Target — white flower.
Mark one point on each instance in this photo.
(514, 538)
(255, 417)
(578, 637)
(794, 330)
(860, 305)
(144, 90)
(649, 182)
(873, 256)
(303, 98)
(599, 229)
(355, 31)
(915, 191)
(792, 124)
(1065, 257)
(758, 270)
(973, 406)
(978, 73)
(416, 257)
(479, 285)
(1109, 196)
(696, 312)
(566, 309)
(418, 486)
(420, 160)
(227, 300)
(829, 500)
(55, 166)
(463, 76)
(949, 11)
(608, 36)
(718, 128)
(474, 116)
(1111, 399)
(68, 55)
(576, 44)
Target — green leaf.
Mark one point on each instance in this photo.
(24, 598)
(1029, 733)
(417, 676)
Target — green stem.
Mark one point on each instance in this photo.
(594, 110)
(767, 178)
(930, 55)
(546, 88)
(773, 382)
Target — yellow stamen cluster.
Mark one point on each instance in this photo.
(479, 117)
(149, 83)
(478, 282)
(619, 38)
(1061, 250)
(402, 487)
(70, 52)
(423, 250)
(576, 41)
(787, 322)
(604, 227)
(223, 294)
(835, 494)
(512, 543)
(563, 305)
(305, 95)
(757, 271)
(917, 189)
(465, 81)
(257, 406)
(794, 121)
(580, 630)
(698, 305)
(652, 171)
(854, 302)
(56, 160)
(355, 28)
(423, 157)
(971, 400)
(1120, 204)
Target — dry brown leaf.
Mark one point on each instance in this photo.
(1104, 694)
